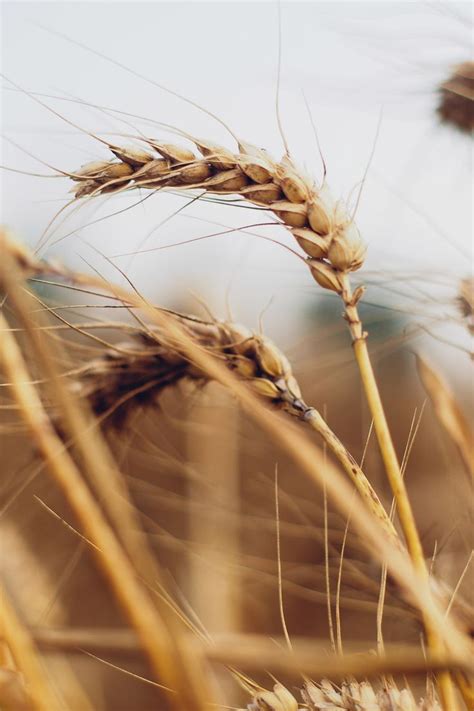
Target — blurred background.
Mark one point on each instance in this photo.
(199, 473)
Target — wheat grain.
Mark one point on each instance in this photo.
(322, 226)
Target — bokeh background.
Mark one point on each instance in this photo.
(201, 476)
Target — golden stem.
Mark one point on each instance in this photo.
(258, 652)
(26, 657)
(392, 467)
(394, 475)
(466, 687)
(352, 469)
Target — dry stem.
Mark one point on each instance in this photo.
(257, 653)
(114, 378)
(394, 474)
(26, 656)
(355, 473)
(448, 412)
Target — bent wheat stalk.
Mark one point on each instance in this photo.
(322, 227)
(116, 382)
(41, 693)
(448, 412)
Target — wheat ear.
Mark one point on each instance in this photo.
(115, 382)
(456, 96)
(327, 696)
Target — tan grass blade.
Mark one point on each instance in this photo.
(25, 654)
(257, 652)
(447, 410)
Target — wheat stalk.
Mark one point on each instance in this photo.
(322, 227)
(117, 381)
(448, 412)
(39, 691)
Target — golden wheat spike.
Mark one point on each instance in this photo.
(322, 227)
(351, 695)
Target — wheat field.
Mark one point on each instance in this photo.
(236, 386)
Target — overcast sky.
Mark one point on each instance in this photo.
(351, 61)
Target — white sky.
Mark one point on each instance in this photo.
(350, 60)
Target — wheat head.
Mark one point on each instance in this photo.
(456, 96)
(137, 372)
(350, 696)
(321, 225)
